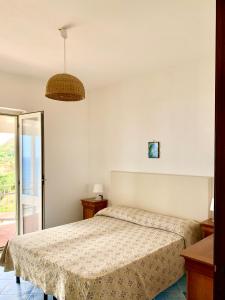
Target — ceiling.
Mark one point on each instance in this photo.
(111, 39)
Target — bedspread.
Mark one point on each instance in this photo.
(121, 253)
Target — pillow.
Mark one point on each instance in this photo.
(188, 229)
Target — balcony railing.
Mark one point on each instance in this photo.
(7, 214)
(7, 204)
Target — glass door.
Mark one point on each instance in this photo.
(31, 172)
(8, 175)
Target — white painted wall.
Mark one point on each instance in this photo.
(84, 141)
(174, 105)
(66, 145)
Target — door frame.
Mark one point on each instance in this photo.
(42, 168)
(17, 167)
(219, 176)
(16, 170)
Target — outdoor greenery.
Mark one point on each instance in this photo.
(7, 177)
(8, 203)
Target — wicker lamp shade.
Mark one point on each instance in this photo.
(65, 87)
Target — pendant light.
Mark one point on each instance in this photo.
(64, 86)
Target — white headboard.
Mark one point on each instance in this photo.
(175, 195)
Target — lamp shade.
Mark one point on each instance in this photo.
(212, 205)
(65, 87)
(98, 188)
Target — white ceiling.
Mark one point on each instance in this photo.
(111, 40)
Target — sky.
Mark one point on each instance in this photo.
(5, 137)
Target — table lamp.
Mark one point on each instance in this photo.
(212, 209)
(98, 190)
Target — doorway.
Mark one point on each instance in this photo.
(8, 174)
(21, 175)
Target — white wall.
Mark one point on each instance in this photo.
(84, 141)
(66, 145)
(174, 105)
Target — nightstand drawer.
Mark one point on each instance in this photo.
(206, 231)
(88, 213)
(92, 206)
(207, 227)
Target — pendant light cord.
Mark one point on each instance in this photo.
(63, 33)
(64, 55)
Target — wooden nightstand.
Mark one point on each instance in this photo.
(200, 269)
(207, 227)
(92, 206)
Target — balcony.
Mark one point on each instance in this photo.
(7, 214)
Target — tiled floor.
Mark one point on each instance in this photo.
(175, 292)
(10, 290)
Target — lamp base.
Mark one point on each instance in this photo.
(99, 197)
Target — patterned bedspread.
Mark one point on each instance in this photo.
(121, 253)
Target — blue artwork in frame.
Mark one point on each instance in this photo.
(153, 149)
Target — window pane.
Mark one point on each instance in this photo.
(31, 157)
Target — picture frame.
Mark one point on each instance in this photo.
(153, 149)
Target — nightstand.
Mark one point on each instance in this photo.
(207, 227)
(200, 269)
(92, 206)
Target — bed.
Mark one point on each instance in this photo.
(121, 253)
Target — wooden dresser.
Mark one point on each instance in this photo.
(92, 206)
(200, 269)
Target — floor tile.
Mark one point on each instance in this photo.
(36, 297)
(14, 288)
(3, 284)
(7, 275)
(175, 292)
(36, 290)
(14, 297)
(39, 297)
(182, 284)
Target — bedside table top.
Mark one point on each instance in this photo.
(208, 223)
(201, 252)
(93, 200)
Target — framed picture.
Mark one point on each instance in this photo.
(153, 149)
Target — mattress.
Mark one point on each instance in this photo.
(121, 253)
